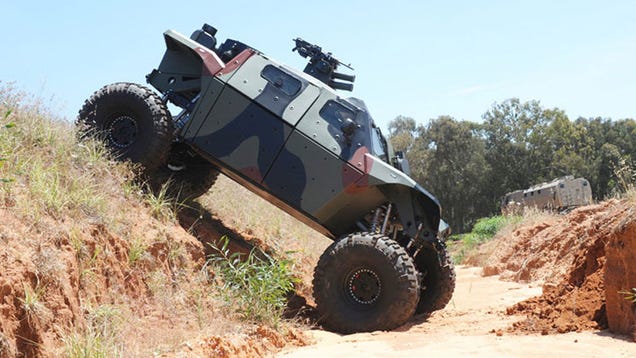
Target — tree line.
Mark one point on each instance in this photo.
(470, 166)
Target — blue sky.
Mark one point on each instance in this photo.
(415, 58)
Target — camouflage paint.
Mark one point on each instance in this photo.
(241, 134)
(290, 138)
(250, 81)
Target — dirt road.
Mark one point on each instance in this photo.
(474, 324)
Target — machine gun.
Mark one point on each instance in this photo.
(323, 66)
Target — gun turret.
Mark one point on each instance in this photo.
(323, 66)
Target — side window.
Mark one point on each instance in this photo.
(336, 114)
(288, 84)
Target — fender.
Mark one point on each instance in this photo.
(419, 210)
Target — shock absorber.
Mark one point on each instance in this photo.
(376, 219)
(386, 218)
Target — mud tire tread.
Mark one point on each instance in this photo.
(153, 118)
(398, 276)
(437, 290)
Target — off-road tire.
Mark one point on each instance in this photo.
(438, 278)
(365, 282)
(131, 120)
(188, 178)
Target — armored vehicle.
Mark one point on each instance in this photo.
(289, 137)
(561, 194)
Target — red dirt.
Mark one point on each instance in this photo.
(65, 276)
(584, 258)
(47, 260)
(261, 341)
(620, 276)
(570, 254)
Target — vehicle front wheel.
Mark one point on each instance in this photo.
(365, 282)
(132, 121)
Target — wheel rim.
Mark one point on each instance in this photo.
(122, 131)
(363, 286)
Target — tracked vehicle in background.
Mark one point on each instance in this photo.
(561, 194)
(289, 137)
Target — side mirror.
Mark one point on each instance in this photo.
(348, 128)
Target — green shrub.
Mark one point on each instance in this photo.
(486, 228)
(255, 286)
(483, 230)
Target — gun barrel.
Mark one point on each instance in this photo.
(344, 77)
(341, 85)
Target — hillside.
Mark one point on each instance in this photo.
(91, 262)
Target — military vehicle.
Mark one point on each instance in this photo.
(562, 194)
(289, 137)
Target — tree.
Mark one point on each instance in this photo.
(402, 131)
(517, 147)
(470, 166)
(448, 158)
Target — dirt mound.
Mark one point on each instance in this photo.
(92, 264)
(546, 249)
(258, 342)
(582, 258)
(576, 303)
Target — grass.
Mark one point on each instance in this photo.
(463, 245)
(32, 302)
(257, 217)
(136, 251)
(162, 206)
(45, 165)
(49, 266)
(625, 177)
(159, 285)
(255, 286)
(101, 338)
(629, 295)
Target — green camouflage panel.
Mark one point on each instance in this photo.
(290, 138)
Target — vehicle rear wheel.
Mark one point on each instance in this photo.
(132, 121)
(365, 282)
(438, 278)
(187, 175)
